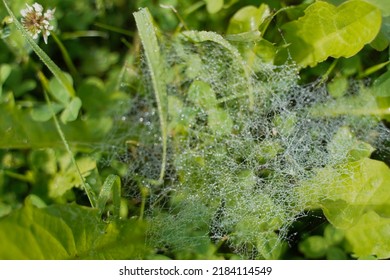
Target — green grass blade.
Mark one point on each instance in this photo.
(112, 185)
(155, 63)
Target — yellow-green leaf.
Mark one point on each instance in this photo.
(328, 31)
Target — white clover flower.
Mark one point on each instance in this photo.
(37, 22)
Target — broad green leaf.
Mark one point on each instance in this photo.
(338, 86)
(97, 99)
(180, 117)
(58, 91)
(214, 6)
(67, 177)
(362, 187)
(370, 236)
(68, 232)
(383, 5)
(44, 113)
(344, 143)
(219, 121)
(326, 30)
(314, 247)
(333, 236)
(5, 70)
(20, 131)
(381, 42)
(201, 94)
(204, 36)
(248, 18)
(362, 104)
(43, 160)
(382, 93)
(71, 110)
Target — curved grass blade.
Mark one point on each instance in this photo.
(112, 185)
(155, 63)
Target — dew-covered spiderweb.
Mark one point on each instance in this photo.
(244, 135)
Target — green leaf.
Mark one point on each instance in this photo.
(370, 236)
(67, 177)
(384, 6)
(201, 94)
(219, 121)
(333, 236)
(5, 70)
(147, 32)
(20, 131)
(58, 91)
(362, 188)
(338, 86)
(248, 18)
(382, 93)
(71, 110)
(326, 30)
(214, 6)
(204, 36)
(68, 232)
(43, 160)
(44, 113)
(313, 247)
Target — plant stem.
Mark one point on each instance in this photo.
(87, 188)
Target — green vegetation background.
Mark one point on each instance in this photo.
(44, 211)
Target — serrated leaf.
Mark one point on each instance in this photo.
(71, 110)
(68, 232)
(326, 30)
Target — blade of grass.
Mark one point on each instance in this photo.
(112, 185)
(42, 55)
(66, 56)
(155, 63)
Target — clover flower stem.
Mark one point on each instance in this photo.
(42, 55)
(87, 187)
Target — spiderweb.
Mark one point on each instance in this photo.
(243, 136)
